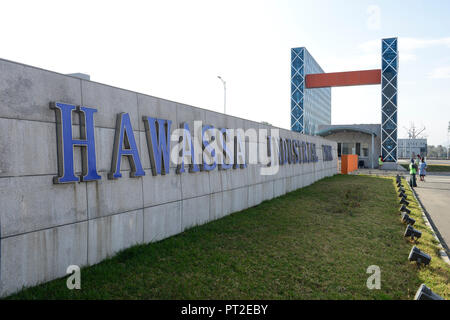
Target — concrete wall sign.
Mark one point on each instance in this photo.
(87, 170)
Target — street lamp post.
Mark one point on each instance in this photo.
(224, 94)
(448, 139)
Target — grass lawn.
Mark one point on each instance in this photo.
(314, 243)
(432, 167)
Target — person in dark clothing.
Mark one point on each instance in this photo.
(412, 174)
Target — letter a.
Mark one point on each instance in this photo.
(125, 145)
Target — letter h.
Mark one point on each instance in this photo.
(66, 143)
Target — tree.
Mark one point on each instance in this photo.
(437, 152)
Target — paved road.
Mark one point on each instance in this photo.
(436, 162)
(435, 196)
(439, 162)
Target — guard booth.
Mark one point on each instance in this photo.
(349, 163)
(359, 139)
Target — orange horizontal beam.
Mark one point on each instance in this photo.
(340, 79)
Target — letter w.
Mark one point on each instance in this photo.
(158, 142)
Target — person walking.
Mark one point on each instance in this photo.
(422, 169)
(380, 162)
(412, 174)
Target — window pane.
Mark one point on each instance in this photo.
(365, 149)
(347, 148)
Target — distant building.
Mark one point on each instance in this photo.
(361, 139)
(410, 148)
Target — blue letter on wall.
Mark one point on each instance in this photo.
(66, 143)
(186, 138)
(208, 151)
(125, 145)
(158, 142)
(226, 154)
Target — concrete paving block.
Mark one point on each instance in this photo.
(162, 221)
(104, 144)
(316, 176)
(290, 170)
(262, 172)
(252, 153)
(310, 178)
(279, 187)
(216, 206)
(226, 203)
(268, 190)
(297, 181)
(282, 172)
(186, 113)
(255, 195)
(219, 120)
(305, 180)
(250, 124)
(109, 235)
(250, 132)
(19, 145)
(149, 106)
(195, 212)
(33, 258)
(194, 184)
(25, 92)
(215, 180)
(290, 184)
(145, 155)
(297, 169)
(239, 199)
(301, 181)
(109, 102)
(235, 178)
(308, 168)
(330, 172)
(29, 148)
(107, 197)
(254, 174)
(161, 188)
(235, 122)
(33, 202)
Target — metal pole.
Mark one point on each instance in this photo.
(224, 94)
(448, 139)
(371, 158)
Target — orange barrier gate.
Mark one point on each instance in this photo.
(349, 163)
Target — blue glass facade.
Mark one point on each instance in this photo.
(309, 108)
(389, 75)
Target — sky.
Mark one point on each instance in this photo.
(176, 49)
